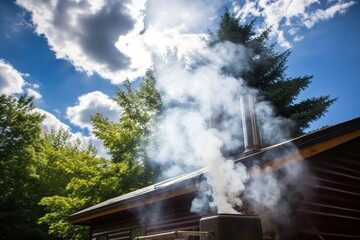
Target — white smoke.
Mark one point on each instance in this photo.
(274, 129)
(273, 193)
(202, 123)
(193, 94)
(195, 91)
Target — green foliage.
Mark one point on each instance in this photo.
(20, 147)
(266, 73)
(127, 139)
(73, 178)
(45, 177)
(59, 208)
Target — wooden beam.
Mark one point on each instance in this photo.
(301, 154)
(176, 234)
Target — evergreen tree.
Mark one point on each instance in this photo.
(266, 73)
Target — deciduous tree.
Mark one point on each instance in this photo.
(128, 138)
(74, 178)
(20, 155)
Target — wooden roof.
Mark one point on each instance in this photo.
(275, 157)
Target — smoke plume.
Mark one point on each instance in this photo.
(202, 123)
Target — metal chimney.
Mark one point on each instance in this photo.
(252, 141)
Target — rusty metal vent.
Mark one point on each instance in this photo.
(232, 227)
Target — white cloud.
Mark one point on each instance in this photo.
(32, 90)
(84, 32)
(176, 25)
(89, 104)
(325, 14)
(52, 122)
(117, 39)
(289, 17)
(298, 38)
(11, 80)
(190, 16)
(33, 93)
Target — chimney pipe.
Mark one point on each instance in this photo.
(252, 141)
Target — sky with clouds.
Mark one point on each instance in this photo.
(71, 54)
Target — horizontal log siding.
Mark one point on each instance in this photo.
(115, 230)
(333, 212)
(172, 215)
(181, 221)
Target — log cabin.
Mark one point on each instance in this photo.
(322, 203)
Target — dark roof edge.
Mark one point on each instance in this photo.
(305, 140)
(159, 188)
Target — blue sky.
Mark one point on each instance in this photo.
(330, 51)
(71, 56)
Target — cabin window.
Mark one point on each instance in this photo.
(101, 237)
(136, 232)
